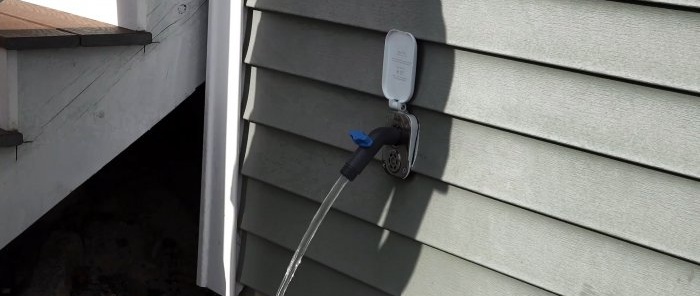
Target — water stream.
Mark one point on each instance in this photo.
(310, 232)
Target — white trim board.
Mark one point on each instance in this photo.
(216, 268)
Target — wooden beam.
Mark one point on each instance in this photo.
(10, 138)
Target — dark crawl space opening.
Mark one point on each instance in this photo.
(131, 229)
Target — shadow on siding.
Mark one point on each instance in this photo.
(411, 217)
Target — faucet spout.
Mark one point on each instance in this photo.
(369, 145)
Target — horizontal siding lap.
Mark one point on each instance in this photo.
(601, 115)
(385, 260)
(543, 251)
(558, 179)
(575, 186)
(261, 259)
(637, 42)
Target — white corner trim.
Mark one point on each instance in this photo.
(9, 103)
(222, 141)
(130, 14)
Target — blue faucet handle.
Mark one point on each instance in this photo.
(361, 139)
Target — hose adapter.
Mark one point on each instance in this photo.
(398, 142)
(368, 146)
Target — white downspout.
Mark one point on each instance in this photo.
(222, 140)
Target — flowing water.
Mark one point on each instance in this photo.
(310, 232)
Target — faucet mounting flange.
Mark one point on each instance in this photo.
(398, 160)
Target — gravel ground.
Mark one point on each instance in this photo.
(131, 229)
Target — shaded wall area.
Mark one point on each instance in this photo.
(131, 229)
(557, 151)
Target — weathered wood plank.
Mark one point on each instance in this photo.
(20, 34)
(263, 264)
(546, 252)
(129, 14)
(10, 138)
(385, 260)
(601, 115)
(636, 42)
(162, 19)
(597, 192)
(91, 32)
(71, 71)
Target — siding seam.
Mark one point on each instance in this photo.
(504, 129)
(479, 193)
(359, 220)
(500, 55)
(350, 278)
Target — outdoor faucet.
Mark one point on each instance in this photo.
(399, 140)
(369, 145)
